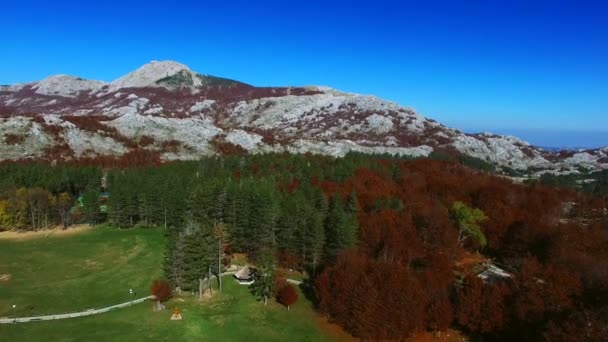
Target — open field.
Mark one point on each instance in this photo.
(232, 316)
(78, 271)
(95, 268)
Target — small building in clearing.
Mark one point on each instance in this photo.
(244, 276)
(475, 264)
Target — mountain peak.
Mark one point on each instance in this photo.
(148, 74)
(66, 85)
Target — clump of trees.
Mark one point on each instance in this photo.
(380, 236)
(37, 196)
(35, 208)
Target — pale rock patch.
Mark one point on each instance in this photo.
(248, 141)
(65, 85)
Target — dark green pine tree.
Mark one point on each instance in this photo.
(154, 208)
(264, 275)
(173, 257)
(117, 206)
(142, 208)
(199, 253)
(287, 224)
(219, 206)
(90, 206)
(315, 234)
(341, 226)
(230, 214)
(241, 210)
(265, 214)
(351, 229)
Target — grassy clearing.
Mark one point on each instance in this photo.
(96, 268)
(232, 316)
(65, 273)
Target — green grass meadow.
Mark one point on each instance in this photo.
(96, 268)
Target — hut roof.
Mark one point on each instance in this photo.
(244, 273)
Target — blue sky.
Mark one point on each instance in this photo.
(535, 67)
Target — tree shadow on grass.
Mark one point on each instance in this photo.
(308, 288)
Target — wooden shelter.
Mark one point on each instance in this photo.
(244, 276)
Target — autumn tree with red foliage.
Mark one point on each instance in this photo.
(288, 260)
(438, 277)
(480, 307)
(280, 281)
(542, 291)
(287, 295)
(372, 299)
(390, 236)
(581, 325)
(161, 290)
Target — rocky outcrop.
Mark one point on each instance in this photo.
(183, 114)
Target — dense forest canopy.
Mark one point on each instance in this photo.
(595, 183)
(385, 240)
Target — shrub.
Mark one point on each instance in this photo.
(13, 139)
(287, 295)
(161, 290)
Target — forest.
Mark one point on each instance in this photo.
(392, 246)
(595, 183)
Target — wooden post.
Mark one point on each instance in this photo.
(210, 290)
(219, 263)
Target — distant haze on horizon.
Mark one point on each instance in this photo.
(536, 70)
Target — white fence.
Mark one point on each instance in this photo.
(88, 312)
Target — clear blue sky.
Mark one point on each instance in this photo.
(505, 66)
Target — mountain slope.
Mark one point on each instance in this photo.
(167, 108)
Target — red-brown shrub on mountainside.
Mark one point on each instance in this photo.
(89, 123)
(543, 290)
(404, 223)
(372, 299)
(53, 130)
(13, 139)
(370, 187)
(59, 151)
(145, 140)
(581, 325)
(170, 145)
(481, 308)
(224, 147)
(496, 201)
(433, 223)
(139, 157)
(437, 275)
(7, 111)
(577, 249)
(541, 205)
(93, 124)
(390, 236)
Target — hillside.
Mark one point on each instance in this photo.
(176, 113)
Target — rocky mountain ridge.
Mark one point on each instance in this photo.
(166, 108)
